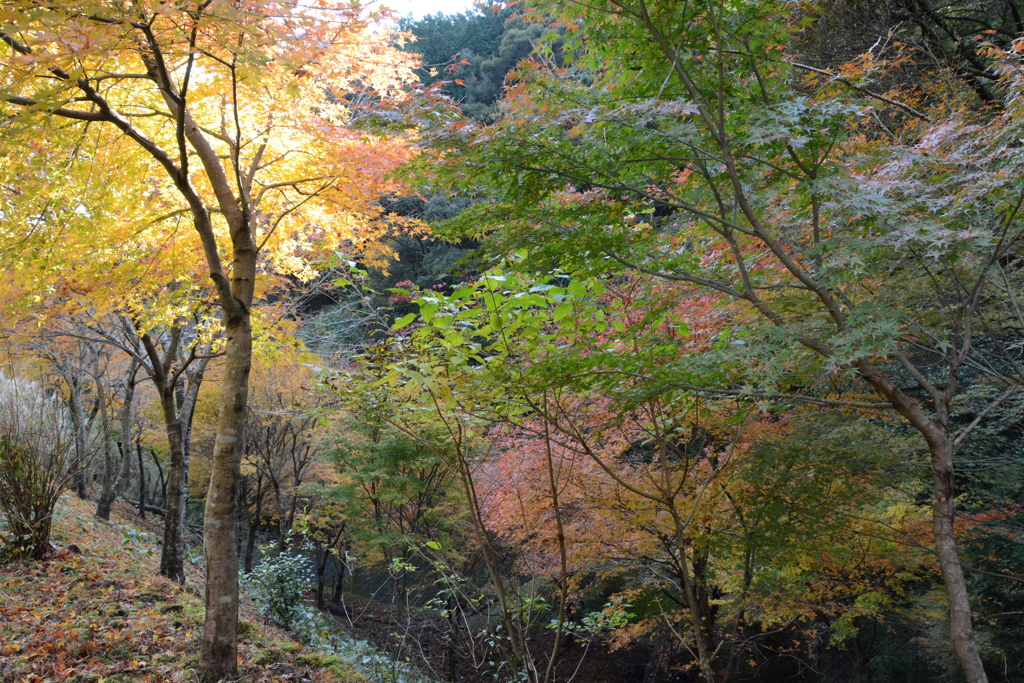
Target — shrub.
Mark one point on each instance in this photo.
(279, 585)
(37, 459)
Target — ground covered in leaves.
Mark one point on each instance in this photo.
(98, 611)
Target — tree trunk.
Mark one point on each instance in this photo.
(339, 582)
(219, 653)
(160, 473)
(176, 406)
(253, 526)
(106, 498)
(940, 449)
(705, 610)
(107, 482)
(943, 515)
(142, 481)
(705, 651)
(283, 530)
(111, 489)
(80, 427)
(172, 557)
(323, 555)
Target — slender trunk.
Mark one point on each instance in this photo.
(943, 514)
(705, 654)
(106, 499)
(219, 653)
(78, 481)
(940, 449)
(142, 481)
(339, 581)
(253, 526)
(703, 600)
(281, 523)
(78, 422)
(322, 557)
(563, 566)
(283, 529)
(109, 466)
(160, 473)
(515, 637)
(186, 402)
(292, 506)
(111, 488)
(172, 557)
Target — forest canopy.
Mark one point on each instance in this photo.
(638, 340)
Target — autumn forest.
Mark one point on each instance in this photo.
(621, 341)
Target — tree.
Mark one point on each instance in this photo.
(596, 466)
(396, 491)
(681, 144)
(175, 358)
(173, 354)
(116, 454)
(283, 449)
(417, 390)
(455, 49)
(229, 122)
(69, 360)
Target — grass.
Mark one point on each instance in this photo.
(103, 614)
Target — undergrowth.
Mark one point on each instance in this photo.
(98, 611)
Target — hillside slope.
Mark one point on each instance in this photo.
(98, 611)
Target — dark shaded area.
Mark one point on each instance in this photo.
(936, 34)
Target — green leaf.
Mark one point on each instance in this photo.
(403, 321)
(577, 289)
(561, 310)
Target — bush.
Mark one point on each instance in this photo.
(37, 460)
(279, 585)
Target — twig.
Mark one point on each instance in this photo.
(845, 81)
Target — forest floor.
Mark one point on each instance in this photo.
(421, 639)
(98, 611)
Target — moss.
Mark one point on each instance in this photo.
(269, 655)
(244, 629)
(317, 659)
(332, 663)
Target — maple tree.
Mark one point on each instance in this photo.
(843, 255)
(396, 492)
(229, 122)
(163, 329)
(608, 465)
(385, 387)
(116, 454)
(175, 359)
